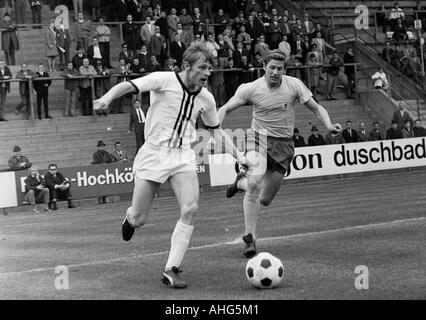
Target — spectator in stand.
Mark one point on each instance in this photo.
(308, 25)
(59, 187)
(20, 6)
(36, 191)
(70, 86)
(298, 28)
(5, 74)
(220, 19)
(51, 46)
(387, 52)
(314, 73)
(293, 62)
(362, 133)
(172, 21)
(120, 9)
(322, 45)
(418, 130)
(397, 57)
(238, 53)
(332, 75)
(298, 139)
(262, 47)
(274, 32)
(231, 79)
(254, 27)
(198, 21)
(147, 30)
(380, 80)
(124, 71)
(24, 91)
(409, 70)
(393, 132)
(131, 35)
(395, 14)
(102, 83)
(217, 83)
(246, 74)
(227, 37)
(206, 8)
(95, 7)
(82, 31)
(18, 161)
(135, 8)
(400, 32)
(177, 48)
(375, 134)
(187, 25)
(42, 89)
(63, 43)
(285, 47)
(171, 65)
(101, 156)
(252, 5)
(315, 139)
(285, 29)
(157, 46)
(154, 65)
(185, 38)
(162, 22)
(348, 57)
(222, 52)
(86, 87)
(137, 123)
(400, 116)
(78, 7)
(103, 32)
(407, 130)
(245, 38)
(36, 12)
(136, 68)
(299, 46)
(382, 17)
(125, 54)
(10, 42)
(94, 52)
(119, 154)
(334, 138)
(258, 64)
(349, 135)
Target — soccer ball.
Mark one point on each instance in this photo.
(264, 271)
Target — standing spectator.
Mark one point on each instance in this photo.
(285, 47)
(322, 45)
(375, 134)
(59, 187)
(247, 74)
(24, 91)
(238, 53)
(285, 29)
(207, 8)
(119, 154)
(36, 12)
(51, 49)
(223, 51)
(382, 17)
(258, 64)
(104, 32)
(300, 46)
(308, 25)
(36, 191)
(70, 86)
(400, 116)
(102, 83)
(407, 131)
(227, 37)
(292, 66)
(334, 138)
(124, 71)
(162, 23)
(418, 130)
(18, 161)
(395, 14)
(94, 52)
(82, 31)
(217, 83)
(187, 25)
(399, 31)
(86, 87)
(220, 19)
(245, 38)
(231, 79)
(314, 73)
(131, 35)
(77, 60)
(184, 36)
(380, 80)
(262, 47)
(393, 132)
(298, 139)
(172, 21)
(120, 9)
(78, 7)
(212, 45)
(135, 8)
(198, 21)
(147, 31)
(387, 52)
(5, 74)
(9, 39)
(254, 27)
(177, 48)
(252, 5)
(315, 139)
(42, 89)
(157, 46)
(63, 43)
(137, 123)
(348, 57)
(20, 6)
(362, 133)
(125, 54)
(95, 6)
(274, 33)
(332, 75)
(143, 57)
(350, 135)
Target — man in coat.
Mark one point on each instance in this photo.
(5, 74)
(401, 115)
(137, 123)
(131, 35)
(350, 135)
(9, 39)
(42, 89)
(63, 41)
(157, 46)
(59, 187)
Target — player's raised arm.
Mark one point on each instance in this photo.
(322, 115)
(115, 92)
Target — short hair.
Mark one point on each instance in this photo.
(136, 100)
(195, 52)
(53, 165)
(117, 142)
(275, 55)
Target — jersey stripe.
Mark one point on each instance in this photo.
(178, 117)
(188, 119)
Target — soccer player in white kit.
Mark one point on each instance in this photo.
(176, 101)
(273, 98)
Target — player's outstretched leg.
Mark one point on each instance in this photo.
(143, 195)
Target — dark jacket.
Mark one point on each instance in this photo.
(70, 84)
(393, 134)
(349, 138)
(15, 160)
(23, 85)
(31, 183)
(299, 141)
(51, 181)
(8, 74)
(316, 141)
(43, 84)
(8, 36)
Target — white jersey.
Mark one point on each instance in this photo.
(171, 117)
(274, 109)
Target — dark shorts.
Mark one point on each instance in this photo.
(280, 151)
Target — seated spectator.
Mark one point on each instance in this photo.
(59, 187)
(101, 156)
(375, 134)
(154, 65)
(125, 54)
(362, 133)
(77, 60)
(18, 161)
(119, 154)
(407, 131)
(171, 65)
(136, 68)
(393, 132)
(334, 138)
(380, 80)
(418, 130)
(315, 139)
(350, 135)
(36, 190)
(400, 116)
(298, 139)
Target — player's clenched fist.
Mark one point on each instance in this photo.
(335, 128)
(100, 104)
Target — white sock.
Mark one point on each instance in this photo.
(251, 212)
(179, 244)
(242, 184)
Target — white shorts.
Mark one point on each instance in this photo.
(158, 163)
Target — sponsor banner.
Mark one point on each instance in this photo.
(337, 159)
(7, 190)
(96, 180)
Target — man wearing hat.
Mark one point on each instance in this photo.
(101, 155)
(315, 139)
(298, 139)
(18, 161)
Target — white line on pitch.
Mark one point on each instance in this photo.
(212, 245)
